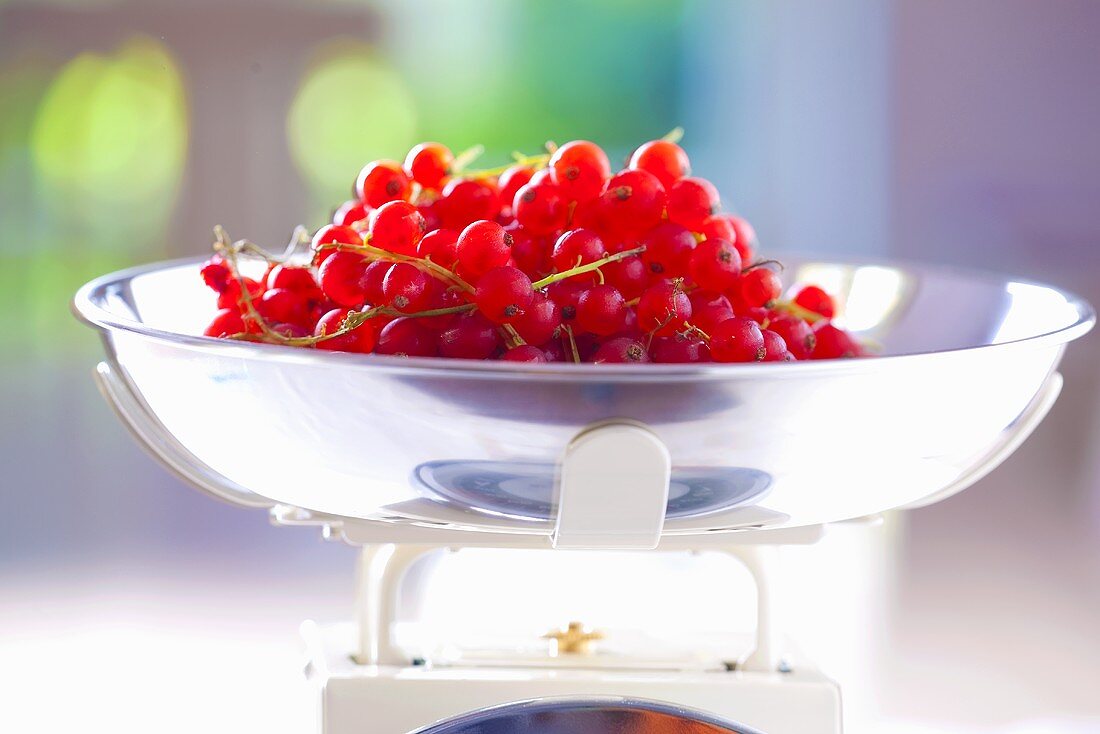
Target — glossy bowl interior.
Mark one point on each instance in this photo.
(367, 436)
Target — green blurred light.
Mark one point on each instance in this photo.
(350, 108)
(112, 131)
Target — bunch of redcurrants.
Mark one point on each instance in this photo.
(552, 259)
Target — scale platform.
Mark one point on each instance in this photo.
(404, 458)
(348, 694)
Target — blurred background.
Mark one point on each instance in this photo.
(954, 131)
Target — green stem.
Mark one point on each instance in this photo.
(466, 157)
(572, 344)
(795, 310)
(379, 254)
(464, 308)
(535, 161)
(587, 267)
(691, 328)
(513, 335)
(675, 135)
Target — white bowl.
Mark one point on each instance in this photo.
(779, 444)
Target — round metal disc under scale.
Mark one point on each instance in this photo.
(526, 490)
(586, 716)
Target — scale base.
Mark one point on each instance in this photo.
(397, 700)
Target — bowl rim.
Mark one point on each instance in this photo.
(88, 309)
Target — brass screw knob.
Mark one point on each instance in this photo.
(575, 639)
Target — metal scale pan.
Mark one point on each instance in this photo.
(967, 369)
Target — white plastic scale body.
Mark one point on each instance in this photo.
(613, 489)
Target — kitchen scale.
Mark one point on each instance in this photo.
(410, 458)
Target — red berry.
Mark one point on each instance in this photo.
(668, 248)
(760, 287)
(429, 164)
(350, 212)
(440, 246)
(815, 299)
(231, 296)
(630, 275)
(511, 181)
(525, 353)
(556, 351)
(215, 273)
(280, 305)
(342, 279)
(775, 348)
(631, 202)
(834, 342)
(406, 288)
(664, 159)
(471, 337)
(430, 210)
(715, 265)
(737, 340)
(540, 208)
(577, 247)
(601, 310)
(382, 181)
(541, 177)
(372, 280)
(691, 201)
(530, 254)
(796, 333)
(579, 168)
(621, 350)
(744, 238)
(468, 200)
(296, 279)
(566, 293)
(503, 294)
(227, 322)
(663, 308)
(483, 246)
(540, 322)
(440, 295)
(718, 227)
(589, 215)
(709, 309)
(360, 339)
(397, 226)
(333, 234)
(406, 337)
(680, 350)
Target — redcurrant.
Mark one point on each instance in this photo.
(382, 181)
(664, 159)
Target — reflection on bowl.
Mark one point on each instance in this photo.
(527, 490)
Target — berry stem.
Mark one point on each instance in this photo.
(761, 264)
(378, 253)
(535, 161)
(512, 335)
(466, 157)
(796, 310)
(690, 328)
(586, 268)
(229, 250)
(572, 344)
(675, 135)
